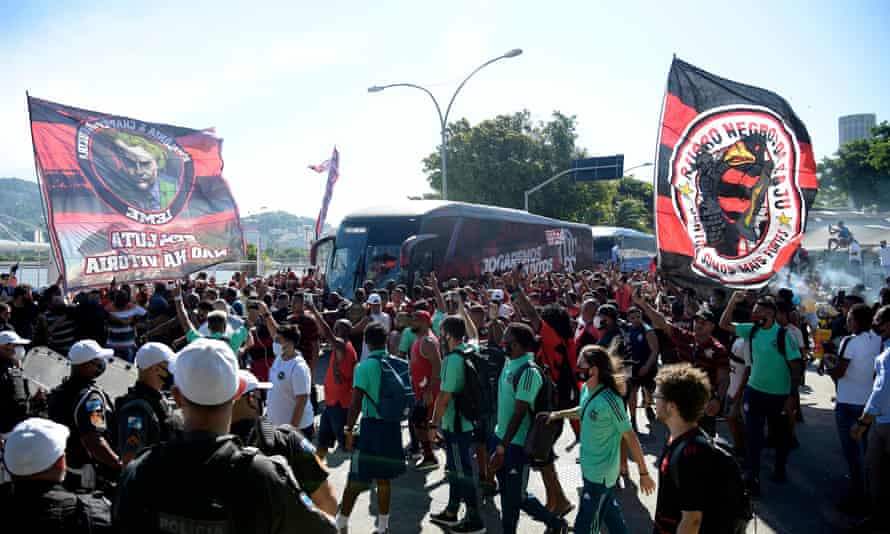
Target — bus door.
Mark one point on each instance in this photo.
(417, 257)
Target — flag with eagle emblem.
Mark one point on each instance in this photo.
(734, 182)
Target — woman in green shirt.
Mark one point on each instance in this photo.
(604, 425)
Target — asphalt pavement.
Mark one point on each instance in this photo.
(805, 505)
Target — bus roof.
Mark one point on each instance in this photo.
(440, 208)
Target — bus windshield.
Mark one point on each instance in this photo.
(366, 252)
(346, 260)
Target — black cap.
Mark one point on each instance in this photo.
(608, 310)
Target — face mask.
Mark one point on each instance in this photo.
(277, 349)
(597, 322)
(582, 375)
(167, 381)
(100, 368)
(19, 352)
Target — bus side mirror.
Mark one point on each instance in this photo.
(313, 251)
(408, 248)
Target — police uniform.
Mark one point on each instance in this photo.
(144, 417)
(81, 405)
(48, 508)
(14, 395)
(288, 442)
(209, 483)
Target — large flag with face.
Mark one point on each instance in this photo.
(129, 199)
(735, 179)
(333, 167)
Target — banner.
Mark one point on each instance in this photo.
(735, 179)
(131, 200)
(333, 166)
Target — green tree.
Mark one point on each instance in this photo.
(860, 170)
(495, 161)
(251, 252)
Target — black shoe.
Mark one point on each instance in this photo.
(468, 526)
(753, 487)
(563, 528)
(445, 517)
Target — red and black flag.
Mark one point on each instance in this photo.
(131, 200)
(333, 167)
(735, 179)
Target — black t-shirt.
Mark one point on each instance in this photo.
(24, 318)
(83, 407)
(48, 508)
(14, 393)
(692, 472)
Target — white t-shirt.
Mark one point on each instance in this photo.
(798, 335)
(855, 252)
(737, 369)
(289, 379)
(382, 318)
(856, 384)
(884, 253)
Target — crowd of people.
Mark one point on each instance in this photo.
(225, 429)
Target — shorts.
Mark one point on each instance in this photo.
(378, 452)
(330, 427)
(647, 381)
(551, 456)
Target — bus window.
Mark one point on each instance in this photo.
(347, 260)
(382, 264)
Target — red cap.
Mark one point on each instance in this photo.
(425, 316)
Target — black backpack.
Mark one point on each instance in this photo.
(780, 344)
(489, 365)
(545, 401)
(732, 508)
(468, 401)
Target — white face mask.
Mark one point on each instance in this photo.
(19, 352)
(597, 322)
(277, 349)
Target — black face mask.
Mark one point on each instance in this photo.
(167, 381)
(100, 368)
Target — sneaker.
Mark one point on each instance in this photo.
(426, 464)
(445, 517)
(469, 527)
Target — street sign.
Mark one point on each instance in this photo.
(601, 168)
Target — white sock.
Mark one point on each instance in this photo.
(341, 520)
(383, 521)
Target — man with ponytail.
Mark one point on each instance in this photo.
(604, 426)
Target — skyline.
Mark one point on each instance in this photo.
(282, 92)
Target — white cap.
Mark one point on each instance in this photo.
(248, 382)
(497, 294)
(33, 446)
(88, 350)
(154, 353)
(207, 372)
(374, 298)
(9, 337)
(505, 311)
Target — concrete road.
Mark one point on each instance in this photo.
(805, 505)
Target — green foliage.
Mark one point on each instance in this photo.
(495, 161)
(860, 173)
(251, 252)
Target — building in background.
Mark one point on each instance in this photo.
(855, 127)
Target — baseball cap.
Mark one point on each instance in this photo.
(248, 382)
(154, 353)
(374, 298)
(218, 314)
(505, 311)
(207, 372)
(497, 295)
(424, 316)
(608, 310)
(34, 445)
(86, 351)
(9, 337)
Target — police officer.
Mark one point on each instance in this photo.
(144, 415)
(35, 456)
(284, 440)
(84, 407)
(206, 482)
(13, 385)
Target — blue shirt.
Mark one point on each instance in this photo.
(878, 403)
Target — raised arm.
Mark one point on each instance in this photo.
(525, 306)
(181, 314)
(437, 293)
(726, 319)
(658, 319)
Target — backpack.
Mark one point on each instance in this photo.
(732, 506)
(468, 401)
(545, 401)
(396, 396)
(489, 365)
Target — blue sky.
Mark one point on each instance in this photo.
(283, 83)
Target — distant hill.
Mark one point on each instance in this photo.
(21, 211)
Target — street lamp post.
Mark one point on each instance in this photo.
(567, 171)
(443, 119)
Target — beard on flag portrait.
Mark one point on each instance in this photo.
(131, 200)
(735, 180)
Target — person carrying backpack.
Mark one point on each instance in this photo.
(456, 408)
(700, 485)
(519, 389)
(604, 426)
(775, 373)
(382, 394)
